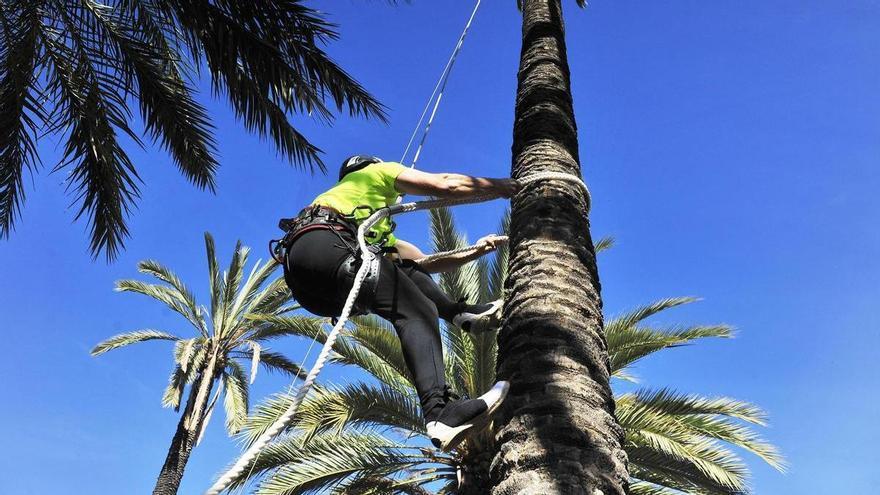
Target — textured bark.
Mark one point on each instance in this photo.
(474, 473)
(187, 432)
(556, 433)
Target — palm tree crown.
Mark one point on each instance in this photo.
(228, 346)
(75, 69)
(368, 437)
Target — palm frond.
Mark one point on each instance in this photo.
(464, 283)
(231, 283)
(166, 275)
(635, 316)
(129, 338)
(235, 402)
(95, 60)
(666, 470)
(209, 412)
(274, 326)
(333, 409)
(498, 267)
(272, 299)
(379, 485)
(245, 297)
(627, 345)
(255, 359)
(173, 393)
(603, 244)
(704, 417)
(185, 351)
(215, 281)
(273, 362)
(359, 405)
(167, 295)
(347, 350)
(263, 81)
(93, 108)
(645, 488)
(183, 375)
(22, 115)
(681, 442)
(379, 337)
(171, 114)
(326, 461)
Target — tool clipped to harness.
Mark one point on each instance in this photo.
(371, 282)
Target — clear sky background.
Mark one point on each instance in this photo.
(732, 151)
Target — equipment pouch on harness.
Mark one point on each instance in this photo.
(367, 292)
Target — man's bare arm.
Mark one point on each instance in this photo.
(450, 185)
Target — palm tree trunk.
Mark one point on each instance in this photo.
(556, 433)
(187, 432)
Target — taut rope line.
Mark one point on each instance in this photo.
(440, 86)
(366, 256)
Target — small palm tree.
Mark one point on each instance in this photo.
(368, 437)
(224, 353)
(77, 68)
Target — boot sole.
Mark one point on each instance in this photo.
(487, 324)
(458, 434)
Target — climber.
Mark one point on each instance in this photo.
(320, 255)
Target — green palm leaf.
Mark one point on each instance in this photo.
(171, 114)
(77, 70)
(21, 116)
(274, 326)
(637, 315)
(167, 295)
(185, 296)
(129, 338)
(326, 461)
(379, 337)
(236, 401)
(704, 417)
(627, 345)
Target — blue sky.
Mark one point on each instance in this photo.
(731, 149)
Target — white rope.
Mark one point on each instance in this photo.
(440, 86)
(499, 239)
(367, 257)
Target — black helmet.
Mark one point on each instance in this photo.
(356, 162)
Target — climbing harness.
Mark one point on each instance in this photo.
(368, 257)
(319, 217)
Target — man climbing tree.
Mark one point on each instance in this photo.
(321, 255)
(556, 432)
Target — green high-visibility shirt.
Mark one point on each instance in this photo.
(373, 187)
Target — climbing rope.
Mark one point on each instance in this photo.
(440, 86)
(367, 257)
(499, 239)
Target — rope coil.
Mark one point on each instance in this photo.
(283, 421)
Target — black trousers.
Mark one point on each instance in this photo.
(406, 296)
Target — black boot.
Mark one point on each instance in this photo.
(450, 424)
